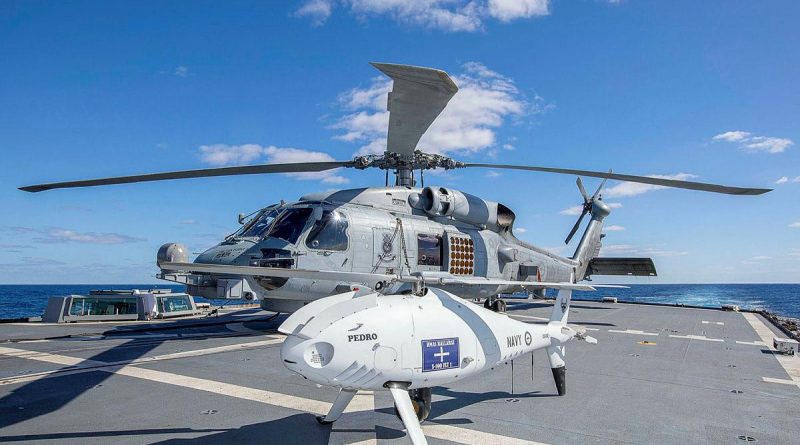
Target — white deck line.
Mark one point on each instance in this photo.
(751, 343)
(720, 323)
(633, 332)
(529, 317)
(790, 364)
(697, 337)
(364, 401)
(471, 437)
(84, 365)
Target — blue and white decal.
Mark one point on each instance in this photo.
(440, 354)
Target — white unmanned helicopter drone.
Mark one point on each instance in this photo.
(376, 276)
(409, 343)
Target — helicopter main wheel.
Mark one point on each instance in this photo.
(495, 304)
(421, 401)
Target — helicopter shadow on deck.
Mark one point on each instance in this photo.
(52, 393)
(140, 433)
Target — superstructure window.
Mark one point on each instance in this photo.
(289, 224)
(429, 250)
(329, 232)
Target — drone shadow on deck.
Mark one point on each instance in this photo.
(297, 429)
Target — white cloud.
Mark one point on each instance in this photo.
(796, 179)
(317, 10)
(576, 210)
(767, 144)
(782, 180)
(634, 188)
(181, 71)
(446, 15)
(614, 228)
(755, 144)
(220, 155)
(630, 250)
(520, 229)
(731, 136)
(485, 100)
(793, 251)
(758, 259)
(57, 235)
(507, 10)
(492, 174)
(795, 225)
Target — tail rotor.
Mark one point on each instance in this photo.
(588, 204)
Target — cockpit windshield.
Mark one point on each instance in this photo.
(290, 224)
(259, 225)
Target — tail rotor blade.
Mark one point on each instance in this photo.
(602, 184)
(582, 190)
(575, 227)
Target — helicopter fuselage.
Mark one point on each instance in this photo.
(393, 230)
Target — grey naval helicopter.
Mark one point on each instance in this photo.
(287, 255)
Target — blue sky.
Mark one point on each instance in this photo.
(93, 89)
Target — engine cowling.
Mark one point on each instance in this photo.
(470, 209)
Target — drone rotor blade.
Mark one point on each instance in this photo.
(582, 190)
(576, 226)
(690, 185)
(200, 173)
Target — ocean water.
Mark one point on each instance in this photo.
(783, 299)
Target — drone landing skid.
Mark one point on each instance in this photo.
(338, 407)
(402, 401)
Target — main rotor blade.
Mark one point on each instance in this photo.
(691, 185)
(252, 271)
(200, 173)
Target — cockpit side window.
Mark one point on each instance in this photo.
(290, 224)
(329, 232)
(260, 225)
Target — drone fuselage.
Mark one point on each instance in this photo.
(363, 342)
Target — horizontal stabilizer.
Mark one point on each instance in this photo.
(640, 267)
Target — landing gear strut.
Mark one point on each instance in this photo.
(493, 303)
(420, 401)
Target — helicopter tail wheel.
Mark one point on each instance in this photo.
(420, 401)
